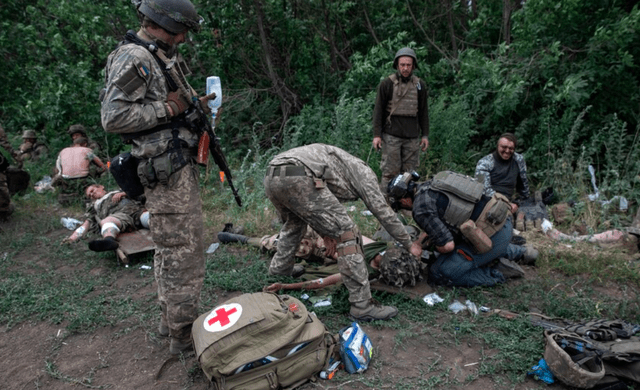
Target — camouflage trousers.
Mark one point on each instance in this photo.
(176, 226)
(399, 155)
(72, 190)
(300, 203)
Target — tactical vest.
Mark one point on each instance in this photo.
(405, 97)
(463, 193)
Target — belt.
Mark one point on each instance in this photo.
(287, 170)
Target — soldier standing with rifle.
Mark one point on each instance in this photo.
(147, 100)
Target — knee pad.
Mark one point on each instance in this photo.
(350, 242)
(144, 219)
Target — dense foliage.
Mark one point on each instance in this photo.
(562, 75)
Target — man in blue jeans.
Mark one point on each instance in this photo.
(470, 231)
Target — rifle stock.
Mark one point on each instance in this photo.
(204, 126)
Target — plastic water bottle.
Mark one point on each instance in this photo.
(213, 85)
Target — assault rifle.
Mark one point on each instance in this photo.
(199, 121)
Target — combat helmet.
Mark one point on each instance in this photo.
(402, 186)
(572, 360)
(29, 134)
(400, 268)
(405, 51)
(175, 16)
(77, 128)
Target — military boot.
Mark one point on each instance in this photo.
(180, 341)
(177, 346)
(509, 268)
(296, 272)
(104, 245)
(163, 329)
(226, 238)
(530, 255)
(371, 310)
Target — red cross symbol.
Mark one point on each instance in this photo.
(223, 316)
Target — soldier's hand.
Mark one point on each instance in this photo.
(204, 102)
(446, 248)
(176, 103)
(377, 143)
(424, 143)
(416, 248)
(118, 197)
(330, 245)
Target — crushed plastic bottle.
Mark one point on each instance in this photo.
(70, 223)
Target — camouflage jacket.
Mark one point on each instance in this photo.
(505, 177)
(105, 206)
(134, 100)
(349, 179)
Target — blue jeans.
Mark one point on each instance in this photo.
(453, 269)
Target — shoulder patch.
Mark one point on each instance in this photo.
(133, 78)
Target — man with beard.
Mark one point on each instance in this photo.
(504, 171)
(401, 118)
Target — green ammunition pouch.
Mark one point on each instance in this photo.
(159, 169)
(494, 215)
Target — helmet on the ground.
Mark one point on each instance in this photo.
(405, 51)
(77, 128)
(400, 268)
(557, 353)
(29, 134)
(175, 16)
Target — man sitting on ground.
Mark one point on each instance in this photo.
(113, 213)
(73, 170)
(504, 171)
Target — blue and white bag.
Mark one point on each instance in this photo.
(355, 348)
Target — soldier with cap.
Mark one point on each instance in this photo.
(307, 185)
(31, 149)
(401, 118)
(77, 131)
(145, 100)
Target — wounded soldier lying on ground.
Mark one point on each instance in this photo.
(396, 266)
(109, 213)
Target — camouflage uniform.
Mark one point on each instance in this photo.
(311, 246)
(127, 211)
(400, 133)
(312, 195)
(31, 150)
(502, 176)
(134, 101)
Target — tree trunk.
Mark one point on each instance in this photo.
(507, 9)
(289, 100)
